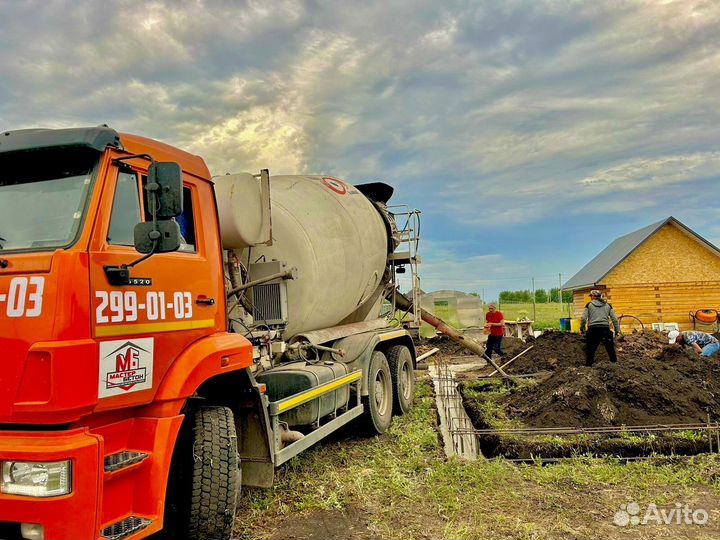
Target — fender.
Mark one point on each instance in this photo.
(210, 356)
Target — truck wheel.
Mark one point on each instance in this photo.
(378, 404)
(403, 377)
(214, 475)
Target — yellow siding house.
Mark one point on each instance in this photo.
(659, 274)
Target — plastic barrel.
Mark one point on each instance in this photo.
(565, 325)
(574, 325)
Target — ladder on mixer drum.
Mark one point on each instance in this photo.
(406, 254)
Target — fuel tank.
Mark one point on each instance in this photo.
(326, 228)
(296, 377)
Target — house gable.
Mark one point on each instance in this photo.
(673, 253)
(594, 271)
(598, 269)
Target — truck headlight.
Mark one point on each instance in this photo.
(36, 479)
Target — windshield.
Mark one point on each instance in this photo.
(42, 197)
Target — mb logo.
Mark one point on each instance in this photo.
(125, 366)
(127, 372)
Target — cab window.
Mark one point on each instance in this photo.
(187, 222)
(125, 211)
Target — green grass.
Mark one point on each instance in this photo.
(544, 316)
(401, 486)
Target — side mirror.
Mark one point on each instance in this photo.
(165, 235)
(164, 181)
(163, 201)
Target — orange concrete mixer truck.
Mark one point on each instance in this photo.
(167, 337)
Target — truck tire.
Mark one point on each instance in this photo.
(378, 404)
(403, 377)
(214, 475)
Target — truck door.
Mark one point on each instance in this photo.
(171, 301)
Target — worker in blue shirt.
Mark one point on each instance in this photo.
(702, 343)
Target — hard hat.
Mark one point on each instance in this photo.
(673, 335)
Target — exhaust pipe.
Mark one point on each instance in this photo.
(287, 435)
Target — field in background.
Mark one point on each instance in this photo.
(548, 315)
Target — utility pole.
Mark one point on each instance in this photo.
(560, 292)
(533, 293)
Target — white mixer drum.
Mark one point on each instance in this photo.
(337, 240)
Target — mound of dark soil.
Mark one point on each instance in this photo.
(486, 404)
(674, 387)
(447, 346)
(513, 346)
(652, 383)
(563, 349)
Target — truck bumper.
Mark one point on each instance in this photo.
(73, 515)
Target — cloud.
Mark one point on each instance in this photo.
(655, 172)
(444, 266)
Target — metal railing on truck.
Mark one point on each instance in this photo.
(407, 252)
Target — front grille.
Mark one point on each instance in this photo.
(120, 460)
(125, 528)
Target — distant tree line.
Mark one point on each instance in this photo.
(542, 296)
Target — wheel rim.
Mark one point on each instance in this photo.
(406, 381)
(381, 393)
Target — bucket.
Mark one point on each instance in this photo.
(575, 325)
(564, 325)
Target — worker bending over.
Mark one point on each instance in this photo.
(597, 316)
(702, 343)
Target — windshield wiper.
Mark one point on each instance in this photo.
(2, 246)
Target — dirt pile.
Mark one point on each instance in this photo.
(652, 383)
(450, 352)
(563, 349)
(448, 347)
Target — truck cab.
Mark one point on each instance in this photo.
(117, 346)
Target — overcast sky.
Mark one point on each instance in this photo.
(530, 133)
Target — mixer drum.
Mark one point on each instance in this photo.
(336, 239)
